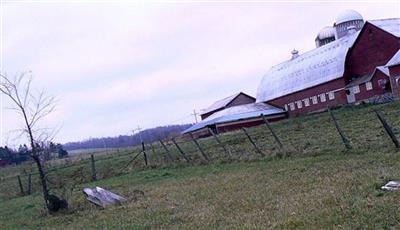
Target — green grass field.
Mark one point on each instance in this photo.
(316, 185)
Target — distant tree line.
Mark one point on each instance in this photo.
(148, 135)
(9, 156)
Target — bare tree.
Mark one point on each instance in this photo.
(32, 107)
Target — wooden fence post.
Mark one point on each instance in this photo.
(219, 143)
(252, 142)
(180, 150)
(93, 164)
(29, 190)
(388, 129)
(166, 151)
(21, 188)
(344, 139)
(144, 153)
(199, 147)
(272, 131)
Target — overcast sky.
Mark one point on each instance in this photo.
(116, 65)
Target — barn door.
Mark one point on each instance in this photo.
(350, 95)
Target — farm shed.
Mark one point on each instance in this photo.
(347, 55)
(236, 117)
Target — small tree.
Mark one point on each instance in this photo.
(32, 108)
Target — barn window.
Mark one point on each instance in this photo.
(322, 97)
(314, 100)
(382, 82)
(356, 89)
(286, 107)
(306, 102)
(331, 95)
(368, 85)
(291, 106)
(299, 104)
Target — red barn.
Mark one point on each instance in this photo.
(348, 66)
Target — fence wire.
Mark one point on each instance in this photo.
(302, 136)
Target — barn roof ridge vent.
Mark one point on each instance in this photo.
(295, 54)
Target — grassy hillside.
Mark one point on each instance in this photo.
(317, 184)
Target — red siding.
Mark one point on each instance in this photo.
(246, 124)
(373, 47)
(242, 99)
(376, 88)
(204, 116)
(394, 70)
(335, 85)
(222, 128)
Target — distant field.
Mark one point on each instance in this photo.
(81, 152)
(317, 183)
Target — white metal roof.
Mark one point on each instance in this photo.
(390, 25)
(383, 69)
(348, 15)
(395, 60)
(235, 113)
(219, 104)
(314, 67)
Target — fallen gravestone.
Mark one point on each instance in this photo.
(391, 186)
(102, 197)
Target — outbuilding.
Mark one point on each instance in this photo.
(234, 117)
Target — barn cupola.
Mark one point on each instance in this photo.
(348, 19)
(295, 54)
(325, 36)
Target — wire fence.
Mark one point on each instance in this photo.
(347, 129)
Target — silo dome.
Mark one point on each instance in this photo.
(326, 32)
(348, 15)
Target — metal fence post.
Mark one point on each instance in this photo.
(344, 139)
(219, 142)
(199, 147)
(388, 129)
(180, 150)
(272, 131)
(253, 143)
(144, 153)
(166, 151)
